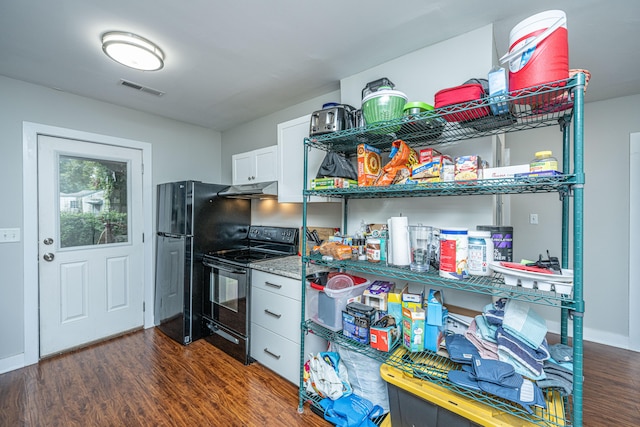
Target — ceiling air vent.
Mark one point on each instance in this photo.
(141, 88)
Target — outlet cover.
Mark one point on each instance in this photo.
(9, 235)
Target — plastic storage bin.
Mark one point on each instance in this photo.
(325, 307)
(413, 401)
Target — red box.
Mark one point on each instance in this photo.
(461, 103)
(427, 155)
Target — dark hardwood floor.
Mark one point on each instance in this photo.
(146, 379)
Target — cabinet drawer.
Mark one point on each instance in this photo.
(276, 313)
(276, 353)
(286, 286)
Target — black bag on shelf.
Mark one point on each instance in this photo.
(337, 166)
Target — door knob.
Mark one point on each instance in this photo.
(48, 256)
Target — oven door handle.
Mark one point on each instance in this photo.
(219, 267)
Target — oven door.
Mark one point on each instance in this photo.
(225, 296)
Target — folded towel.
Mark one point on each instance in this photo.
(557, 377)
(460, 349)
(486, 349)
(561, 352)
(486, 330)
(522, 322)
(526, 361)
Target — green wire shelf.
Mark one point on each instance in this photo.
(535, 107)
(493, 285)
(434, 367)
(552, 104)
(559, 183)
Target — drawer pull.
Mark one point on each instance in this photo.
(273, 285)
(271, 313)
(277, 356)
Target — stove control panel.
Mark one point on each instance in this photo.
(288, 235)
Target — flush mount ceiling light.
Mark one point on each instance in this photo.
(132, 50)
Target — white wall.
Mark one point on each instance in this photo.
(607, 126)
(420, 75)
(179, 150)
(263, 131)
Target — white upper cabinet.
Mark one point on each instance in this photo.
(255, 166)
(291, 136)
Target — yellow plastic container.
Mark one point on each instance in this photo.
(416, 401)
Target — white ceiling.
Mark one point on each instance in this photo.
(229, 62)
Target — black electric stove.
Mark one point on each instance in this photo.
(263, 243)
(227, 293)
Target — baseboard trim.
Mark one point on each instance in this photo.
(595, 335)
(12, 363)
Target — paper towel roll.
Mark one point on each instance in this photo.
(399, 241)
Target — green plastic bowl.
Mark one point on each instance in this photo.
(416, 107)
(383, 105)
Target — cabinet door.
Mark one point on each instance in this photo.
(266, 164)
(244, 169)
(291, 136)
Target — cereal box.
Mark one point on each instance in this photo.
(369, 165)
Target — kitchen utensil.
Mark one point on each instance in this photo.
(382, 105)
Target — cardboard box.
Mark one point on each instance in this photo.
(394, 303)
(412, 300)
(467, 168)
(413, 323)
(355, 328)
(426, 155)
(436, 320)
(384, 333)
(369, 165)
(331, 183)
(498, 91)
(356, 321)
(504, 171)
(376, 295)
(430, 169)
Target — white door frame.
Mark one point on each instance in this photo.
(30, 132)
(634, 237)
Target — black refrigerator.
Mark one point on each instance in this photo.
(192, 220)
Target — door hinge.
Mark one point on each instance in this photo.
(144, 306)
(142, 168)
(142, 237)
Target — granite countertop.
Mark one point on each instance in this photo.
(290, 266)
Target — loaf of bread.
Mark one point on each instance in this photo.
(336, 249)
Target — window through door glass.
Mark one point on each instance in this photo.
(93, 198)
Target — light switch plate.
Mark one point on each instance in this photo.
(9, 235)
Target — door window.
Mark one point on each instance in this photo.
(93, 201)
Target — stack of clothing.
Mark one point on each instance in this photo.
(491, 376)
(511, 332)
(559, 369)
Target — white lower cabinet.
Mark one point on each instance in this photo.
(275, 324)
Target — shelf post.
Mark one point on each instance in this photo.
(578, 230)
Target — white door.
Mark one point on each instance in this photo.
(90, 245)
